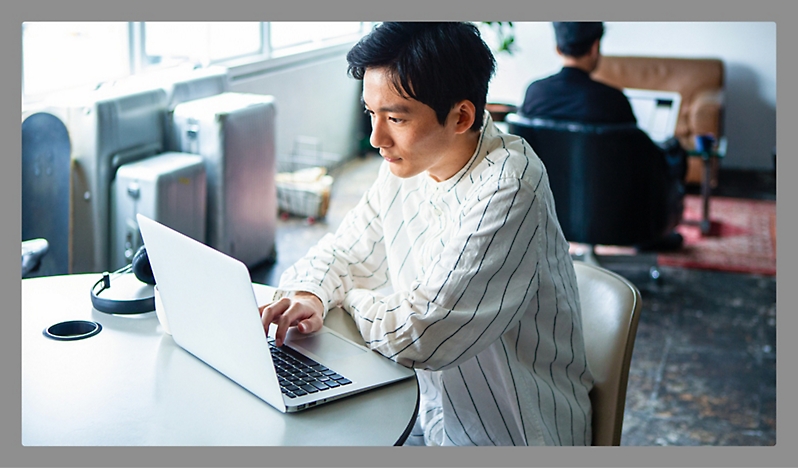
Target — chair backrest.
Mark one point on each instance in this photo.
(610, 182)
(700, 82)
(610, 312)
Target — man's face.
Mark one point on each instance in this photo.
(407, 132)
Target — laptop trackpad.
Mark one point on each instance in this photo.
(324, 345)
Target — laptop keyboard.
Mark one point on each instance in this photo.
(299, 375)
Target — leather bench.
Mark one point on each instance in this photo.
(698, 80)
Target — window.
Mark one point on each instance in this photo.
(58, 56)
(172, 43)
(285, 34)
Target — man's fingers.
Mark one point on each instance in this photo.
(291, 316)
(303, 311)
(310, 324)
(305, 318)
(269, 313)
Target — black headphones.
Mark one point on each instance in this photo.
(140, 267)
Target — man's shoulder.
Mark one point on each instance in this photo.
(608, 89)
(510, 156)
(546, 81)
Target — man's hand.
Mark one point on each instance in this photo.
(304, 311)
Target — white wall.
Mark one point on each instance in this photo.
(315, 98)
(748, 50)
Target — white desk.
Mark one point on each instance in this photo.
(130, 384)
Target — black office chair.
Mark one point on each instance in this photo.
(611, 183)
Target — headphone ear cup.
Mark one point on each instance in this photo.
(141, 266)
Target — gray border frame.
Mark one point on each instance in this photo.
(14, 454)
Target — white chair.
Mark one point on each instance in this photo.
(610, 312)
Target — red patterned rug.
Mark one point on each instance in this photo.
(742, 237)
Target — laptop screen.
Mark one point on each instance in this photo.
(656, 111)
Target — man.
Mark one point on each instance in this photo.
(460, 225)
(573, 95)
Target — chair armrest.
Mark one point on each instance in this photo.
(32, 252)
(705, 113)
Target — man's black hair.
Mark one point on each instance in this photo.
(576, 38)
(437, 64)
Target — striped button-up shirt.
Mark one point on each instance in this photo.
(468, 281)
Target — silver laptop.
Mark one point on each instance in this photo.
(212, 313)
(656, 111)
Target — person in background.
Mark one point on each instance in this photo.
(453, 262)
(572, 95)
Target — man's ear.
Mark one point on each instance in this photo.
(594, 49)
(465, 113)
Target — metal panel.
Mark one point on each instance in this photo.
(169, 188)
(234, 133)
(107, 128)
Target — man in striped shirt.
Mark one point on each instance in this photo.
(453, 262)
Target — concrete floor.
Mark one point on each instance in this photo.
(703, 370)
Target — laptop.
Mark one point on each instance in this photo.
(656, 111)
(212, 311)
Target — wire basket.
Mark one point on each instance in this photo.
(304, 193)
(307, 153)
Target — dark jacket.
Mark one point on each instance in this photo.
(572, 95)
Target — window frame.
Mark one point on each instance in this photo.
(239, 68)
